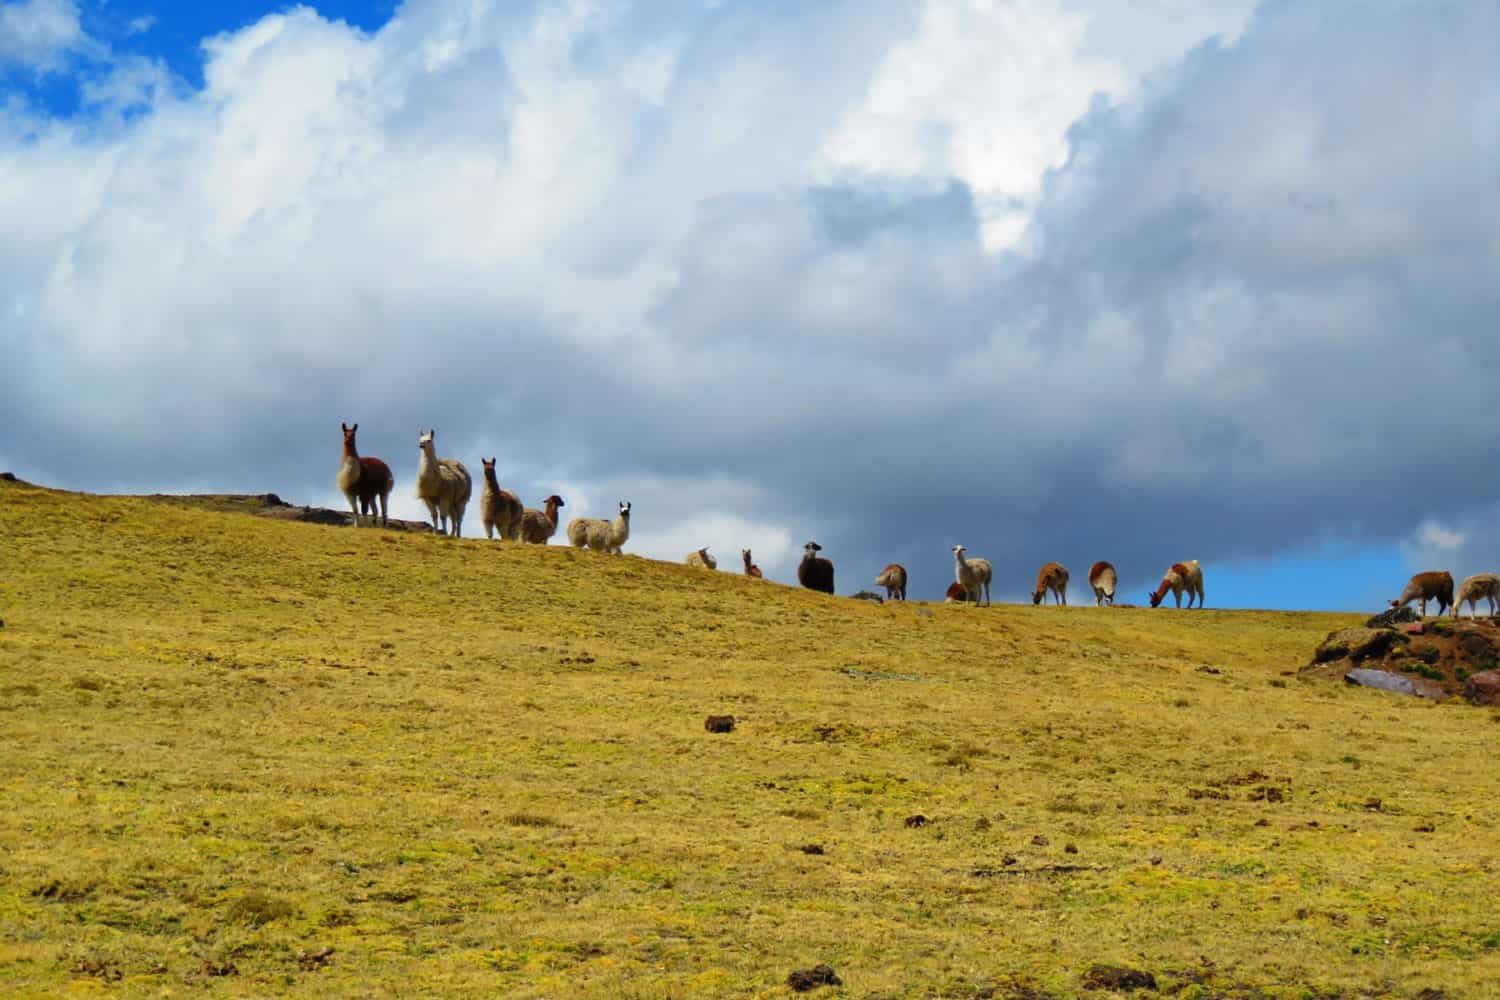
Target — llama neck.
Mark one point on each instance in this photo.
(550, 510)
(491, 483)
(746, 556)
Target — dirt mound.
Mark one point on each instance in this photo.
(1436, 658)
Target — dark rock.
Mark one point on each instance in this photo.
(1483, 688)
(272, 500)
(1356, 643)
(1395, 616)
(811, 849)
(8, 477)
(803, 980)
(719, 723)
(916, 821)
(1113, 977)
(866, 595)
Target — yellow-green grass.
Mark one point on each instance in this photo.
(468, 768)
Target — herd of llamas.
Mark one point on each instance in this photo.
(445, 487)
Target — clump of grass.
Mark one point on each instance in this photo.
(258, 908)
(529, 819)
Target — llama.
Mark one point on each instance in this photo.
(1103, 578)
(363, 480)
(1433, 586)
(814, 572)
(499, 510)
(1186, 576)
(956, 594)
(601, 535)
(443, 484)
(1054, 577)
(539, 525)
(1476, 588)
(973, 575)
(893, 579)
(701, 558)
(750, 568)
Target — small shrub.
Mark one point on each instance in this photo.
(1427, 653)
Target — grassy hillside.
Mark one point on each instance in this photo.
(257, 758)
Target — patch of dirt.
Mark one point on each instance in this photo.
(1114, 977)
(1433, 658)
(803, 980)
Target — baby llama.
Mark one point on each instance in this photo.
(363, 480)
(973, 575)
(443, 484)
(499, 510)
(539, 525)
(893, 579)
(601, 535)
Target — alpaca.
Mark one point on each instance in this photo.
(601, 535)
(973, 575)
(815, 572)
(750, 568)
(1185, 576)
(363, 480)
(702, 558)
(539, 525)
(893, 579)
(1434, 586)
(1103, 578)
(499, 510)
(443, 484)
(956, 594)
(1054, 577)
(1476, 588)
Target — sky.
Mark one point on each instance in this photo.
(1135, 280)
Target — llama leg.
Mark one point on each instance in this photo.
(353, 508)
(384, 518)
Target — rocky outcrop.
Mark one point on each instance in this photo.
(1432, 658)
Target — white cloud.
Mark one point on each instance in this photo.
(37, 33)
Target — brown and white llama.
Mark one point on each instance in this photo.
(702, 559)
(601, 535)
(750, 568)
(443, 484)
(1436, 585)
(956, 593)
(1054, 577)
(1104, 579)
(1476, 588)
(893, 579)
(1183, 576)
(537, 526)
(500, 510)
(973, 575)
(363, 480)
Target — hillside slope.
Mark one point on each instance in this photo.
(256, 757)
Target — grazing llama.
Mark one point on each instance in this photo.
(1183, 576)
(814, 572)
(893, 579)
(956, 594)
(443, 484)
(1104, 579)
(537, 526)
(973, 575)
(363, 480)
(601, 535)
(1054, 577)
(750, 568)
(1476, 588)
(499, 510)
(1432, 586)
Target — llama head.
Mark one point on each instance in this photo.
(1036, 596)
(424, 438)
(625, 509)
(1156, 597)
(348, 436)
(810, 548)
(745, 554)
(555, 501)
(488, 463)
(958, 551)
